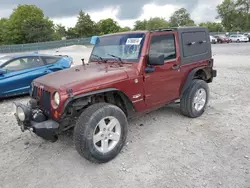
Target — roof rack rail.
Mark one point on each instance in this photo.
(163, 29)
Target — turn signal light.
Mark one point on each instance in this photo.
(56, 114)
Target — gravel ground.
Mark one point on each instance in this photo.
(164, 149)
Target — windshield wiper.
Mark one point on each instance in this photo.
(118, 58)
(100, 58)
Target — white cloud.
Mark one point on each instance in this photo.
(149, 10)
(205, 11)
(66, 21)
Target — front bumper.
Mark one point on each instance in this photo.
(36, 121)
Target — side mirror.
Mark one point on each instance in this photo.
(156, 59)
(94, 40)
(2, 71)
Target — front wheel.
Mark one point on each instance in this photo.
(195, 98)
(100, 132)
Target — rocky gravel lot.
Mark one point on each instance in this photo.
(164, 149)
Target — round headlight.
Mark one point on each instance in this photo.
(20, 113)
(57, 98)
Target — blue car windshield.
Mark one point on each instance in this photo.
(4, 60)
(125, 46)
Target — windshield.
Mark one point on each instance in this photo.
(4, 60)
(125, 46)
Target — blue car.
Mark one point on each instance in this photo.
(18, 71)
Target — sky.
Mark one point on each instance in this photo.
(125, 12)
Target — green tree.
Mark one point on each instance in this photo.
(107, 26)
(156, 23)
(3, 30)
(60, 32)
(213, 26)
(37, 30)
(123, 29)
(140, 25)
(19, 16)
(243, 8)
(27, 24)
(228, 14)
(181, 17)
(71, 33)
(84, 26)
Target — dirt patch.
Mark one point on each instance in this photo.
(164, 149)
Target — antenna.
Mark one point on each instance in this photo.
(83, 63)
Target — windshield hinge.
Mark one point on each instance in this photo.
(70, 92)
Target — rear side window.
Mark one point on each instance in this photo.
(163, 44)
(51, 60)
(194, 43)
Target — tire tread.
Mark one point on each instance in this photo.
(186, 100)
(80, 140)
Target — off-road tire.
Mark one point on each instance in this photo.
(186, 102)
(84, 129)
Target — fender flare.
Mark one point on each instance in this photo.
(190, 78)
(123, 96)
(71, 98)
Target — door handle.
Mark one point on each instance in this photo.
(175, 67)
(46, 71)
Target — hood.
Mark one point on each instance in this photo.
(81, 78)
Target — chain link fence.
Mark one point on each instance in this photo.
(63, 43)
(43, 45)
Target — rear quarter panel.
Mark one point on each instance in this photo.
(198, 54)
(63, 63)
(66, 62)
(187, 68)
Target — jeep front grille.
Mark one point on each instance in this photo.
(43, 98)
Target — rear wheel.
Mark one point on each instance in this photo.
(100, 132)
(195, 99)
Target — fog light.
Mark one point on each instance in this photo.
(20, 113)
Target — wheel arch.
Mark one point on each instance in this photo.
(109, 95)
(201, 73)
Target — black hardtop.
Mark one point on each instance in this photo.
(194, 43)
(182, 29)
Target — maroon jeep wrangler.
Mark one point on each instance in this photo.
(128, 73)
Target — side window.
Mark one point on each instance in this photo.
(23, 63)
(51, 60)
(15, 65)
(163, 44)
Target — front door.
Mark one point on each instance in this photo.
(162, 85)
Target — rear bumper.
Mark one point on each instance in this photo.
(36, 121)
(213, 74)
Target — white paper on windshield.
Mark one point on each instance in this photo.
(133, 41)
